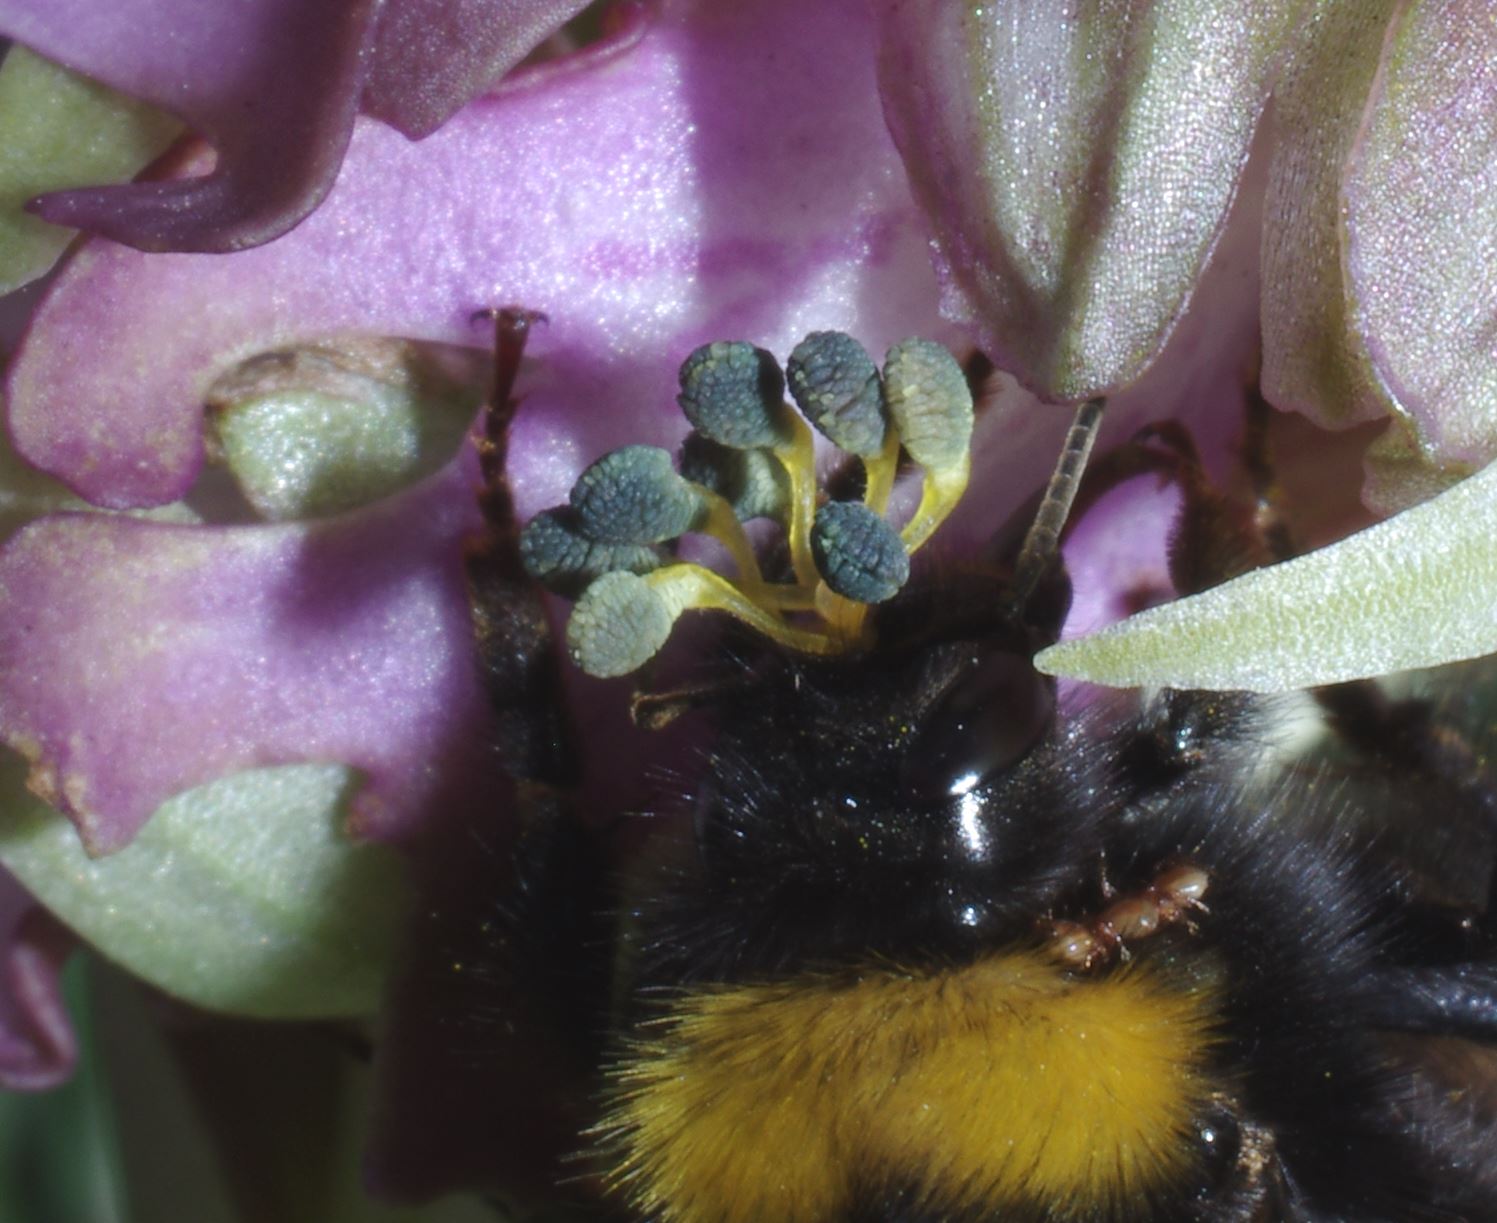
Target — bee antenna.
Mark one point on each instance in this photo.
(512, 326)
(1042, 542)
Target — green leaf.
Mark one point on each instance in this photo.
(58, 130)
(1415, 591)
(242, 895)
(59, 1150)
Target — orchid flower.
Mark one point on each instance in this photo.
(249, 684)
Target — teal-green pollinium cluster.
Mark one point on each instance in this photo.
(752, 455)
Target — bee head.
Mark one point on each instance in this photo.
(895, 758)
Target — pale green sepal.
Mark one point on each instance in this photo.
(59, 130)
(1420, 207)
(242, 895)
(1415, 591)
(1378, 284)
(1399, 473)
(315, 431)
(1313, 362)
(1076, 163)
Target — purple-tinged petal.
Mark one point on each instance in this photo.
(1311, 362)
(138, 659)
(37, 1046)
(243, 75)
(727, 174)
(1421, 228)
(1199, 379)
(1077, 166)
(431, 57)
(1118, 555)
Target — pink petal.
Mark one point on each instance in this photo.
(273, 85)
(1077, 164)
(37, 1047)
(1118, 555)
(724, 176)
(138, 659)
(433, 56)
(1421, 228)
(241, 74)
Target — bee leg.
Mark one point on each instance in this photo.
(519, 907)
(1217, 536)
(1247, 1181)
(1269, 516)
(1406, 737)
(1450, 1000)
(518, 661)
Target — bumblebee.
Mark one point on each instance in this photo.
(923, 942)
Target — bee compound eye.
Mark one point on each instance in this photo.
(987, 722)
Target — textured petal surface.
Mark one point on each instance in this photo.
(1415, 591)
(1117, 557)
(1311, 362)
(242, 895)
(242, 75)
(723, 176)
(59, 130)
(37, 1046)
(1421, 228)
(139, 659)
(1379, 248)
(1199, 379)
(1077, 163)
(433, 56)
